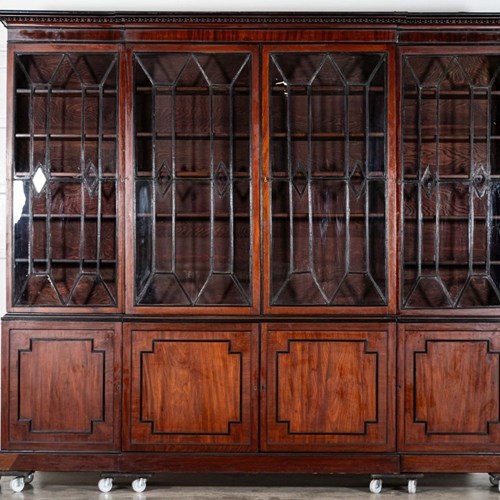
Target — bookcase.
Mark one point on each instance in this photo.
(252, 243)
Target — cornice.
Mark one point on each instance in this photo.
(132, 18)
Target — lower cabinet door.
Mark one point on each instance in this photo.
(61, 386)
(328, 387)
(190, 387)
(450, 400)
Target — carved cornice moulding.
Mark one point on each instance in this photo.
(127, 18)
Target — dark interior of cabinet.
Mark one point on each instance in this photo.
(193, 179)
(328, 124)
(451, 179)
(64, 179)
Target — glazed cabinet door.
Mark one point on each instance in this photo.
(190, 387)
(61, 386)
(328, 387)
(451, 176)
(327, 182)
(450, 400)
(195, 169)
(65, 165)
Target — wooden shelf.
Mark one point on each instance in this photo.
(69, 92)
(327, 135)
(67, 136)
(316, 89)
(324, 175)
(329, 216)
(193, 136)
(450, 138)
(203, 175)
(447, 263)
(76, 261)
(70, 216)
(194, 215)
(193, 90)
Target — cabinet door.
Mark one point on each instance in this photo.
(191, 388)
(326, 184)
(196, 161)
(61, 386)
(328, 388)
(65, 166)
(451, 178)
(451, 396)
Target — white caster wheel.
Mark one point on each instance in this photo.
(17, 484)
(29, 478)
(139, 484)
(412, 486)
(376, 485)
(105, 484)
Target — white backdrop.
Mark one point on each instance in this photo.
(198, 5)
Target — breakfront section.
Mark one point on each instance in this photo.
(450, 251)
(61, 375)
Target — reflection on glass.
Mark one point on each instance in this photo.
(64, 171)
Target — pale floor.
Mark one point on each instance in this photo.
(80, 486)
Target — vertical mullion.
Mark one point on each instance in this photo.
(438, 187)
(288, 98)
(212, 177)
(366, 180)
(471, 222)
(99, 177)
(347, 182)
(231, 177)
(82, 181)
(420, 222)
(174, 183)
(48, 170)
(31, 187)
(308, 180)
(153, 178)
(489, 221)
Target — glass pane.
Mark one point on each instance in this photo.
(450, 184)
(193, 179)
(328, 167)
(65, 180)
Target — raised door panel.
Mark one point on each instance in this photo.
(61, 387)
(328, 388)
(451, 396)
(191, 388)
